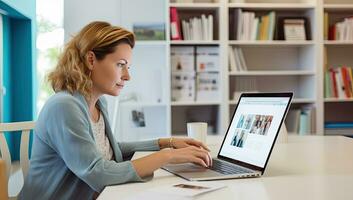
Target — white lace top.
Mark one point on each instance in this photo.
(102, 141)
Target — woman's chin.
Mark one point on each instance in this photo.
(114, 92)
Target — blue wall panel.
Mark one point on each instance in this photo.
(19, 65)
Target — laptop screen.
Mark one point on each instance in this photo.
(254, 128)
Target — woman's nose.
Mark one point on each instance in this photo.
(126, 75)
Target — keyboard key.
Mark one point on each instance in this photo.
(227, 168)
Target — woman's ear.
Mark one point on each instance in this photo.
(90, 58)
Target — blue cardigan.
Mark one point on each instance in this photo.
(65, 162)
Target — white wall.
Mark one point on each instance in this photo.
(78, 13)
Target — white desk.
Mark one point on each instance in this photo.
(307, 167)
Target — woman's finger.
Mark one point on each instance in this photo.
(199, 149)
(211, 161)
(198, 161)
(198, 144)
(204, 156)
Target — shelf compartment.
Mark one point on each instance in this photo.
(309, 14)
(339, 56)
(283, 59)
(203, 113)
(301, 86)
(186, 13)
(345, 113)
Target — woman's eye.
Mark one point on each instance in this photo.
(121, 65)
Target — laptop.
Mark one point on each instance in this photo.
(248, 142)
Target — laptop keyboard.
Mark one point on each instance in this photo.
(227, 168)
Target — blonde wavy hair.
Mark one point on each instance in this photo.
(72, 73)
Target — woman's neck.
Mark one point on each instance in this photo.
(92, 102)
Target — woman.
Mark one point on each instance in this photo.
(74, 153)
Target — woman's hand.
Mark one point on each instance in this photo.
(179, 143)
(145, 166)
(189, 154)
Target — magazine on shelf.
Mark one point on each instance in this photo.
(183, 86)
(207, 58)
(207, 86)
(182, 58)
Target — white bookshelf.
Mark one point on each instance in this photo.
(294, 69)
(294, 101)
(272, 6)
(338, 100)
(337, 109)
(271, 43)
(338, 7)
(337, 43)
(195, 103)
(196, 5)
(273, 73)
(194, 42)
(275, 65)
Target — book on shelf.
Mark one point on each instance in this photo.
(326, 26)
(175, 32)
(339, 82)
(293, 28)
(182, 58)
(207, 59)
(207, 86)
(198, 28)
(183, 86)
(339, 128)
(236, 59)
(246, 26)
(301, 121)
(341, 31)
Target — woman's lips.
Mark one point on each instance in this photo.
(119, 85)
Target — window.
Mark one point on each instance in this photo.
(50, 39)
